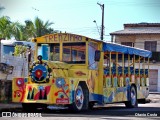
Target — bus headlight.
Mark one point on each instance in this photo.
(60, 82)
(20, 82)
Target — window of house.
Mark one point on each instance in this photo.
(150, 45)
(128, 44)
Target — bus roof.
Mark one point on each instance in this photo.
(114, 47)
(107, 46)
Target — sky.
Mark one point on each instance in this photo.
(77, 16)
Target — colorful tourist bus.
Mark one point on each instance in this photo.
(76, 72)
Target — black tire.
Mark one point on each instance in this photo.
(144, 101)
(91, 104)
(132, 98)
(81, 99)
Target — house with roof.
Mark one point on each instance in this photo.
(144, 36)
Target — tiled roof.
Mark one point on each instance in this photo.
(139, 28)
(143, 24)
(137, 31)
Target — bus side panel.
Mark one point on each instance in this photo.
(118, 94)
(93, 84)
(142, 92)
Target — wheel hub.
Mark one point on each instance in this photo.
(133, 97)
(79, 98)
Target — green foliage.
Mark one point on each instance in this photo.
(30, 30)
(38, 27)
(5, 27)
(20, 50)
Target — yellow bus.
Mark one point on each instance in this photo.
(76, 72)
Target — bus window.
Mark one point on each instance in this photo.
(92, 48)
(39, 50)
(43, 51)
(74, 52)
(106, 61)
(54, 52)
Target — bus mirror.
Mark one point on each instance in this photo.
(97, 55)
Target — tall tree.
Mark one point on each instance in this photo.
(38, 27)
(5, 27)
(26, 32)
(17, 31)
(10, 29)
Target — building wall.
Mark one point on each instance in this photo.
(156, 67)
(20, 69)
(124, 38)
(153, 77)
(19, 64)
(138, 40)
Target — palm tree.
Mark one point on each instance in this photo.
(38, 27)
(17, 31)
(29, 27)
(26, 32)
(5, 27)
(10, 29)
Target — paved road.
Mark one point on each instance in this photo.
(110, 111)
(114, 111)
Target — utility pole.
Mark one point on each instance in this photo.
(102, 32)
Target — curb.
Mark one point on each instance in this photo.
(154, 92)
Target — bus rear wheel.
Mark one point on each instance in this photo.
(132, 98)
(81, 99)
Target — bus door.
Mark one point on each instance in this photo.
(93, 69)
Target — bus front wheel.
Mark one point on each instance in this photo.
(132, 98)
(81, 99)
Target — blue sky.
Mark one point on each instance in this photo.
(77, 16)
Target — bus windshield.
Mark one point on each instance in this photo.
(53, 51)
(74, 52)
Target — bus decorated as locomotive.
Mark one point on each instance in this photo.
(76, 72)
